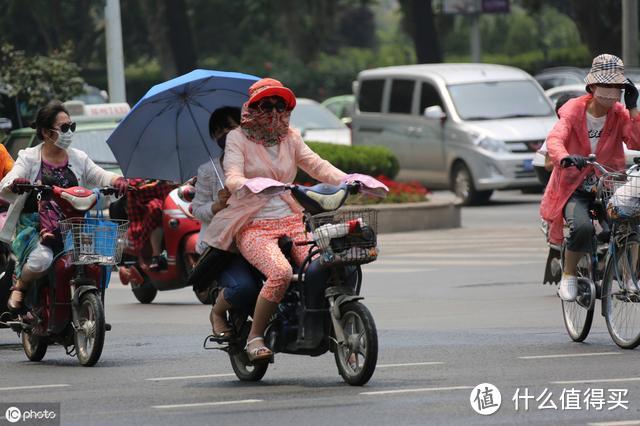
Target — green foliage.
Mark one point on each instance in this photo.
(38, 79)
(369, 160)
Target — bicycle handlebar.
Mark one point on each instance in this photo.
(26, 187)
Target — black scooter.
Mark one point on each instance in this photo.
(321, 310)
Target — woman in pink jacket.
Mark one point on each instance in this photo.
(595, 123)
(265, 146)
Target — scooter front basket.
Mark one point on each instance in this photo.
(94, 240)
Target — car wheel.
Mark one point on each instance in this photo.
(462, 186)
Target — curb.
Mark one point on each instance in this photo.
(437, 214)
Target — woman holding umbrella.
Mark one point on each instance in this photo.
(265, 146)
(52, 162)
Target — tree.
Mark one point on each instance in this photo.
(37, 79)
(419, 22)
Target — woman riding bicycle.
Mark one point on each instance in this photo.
(595, 123)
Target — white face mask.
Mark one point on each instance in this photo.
(607, 96)
(64, 139)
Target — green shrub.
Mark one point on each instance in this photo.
(368, 160)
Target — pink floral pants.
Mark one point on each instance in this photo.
(258, 243)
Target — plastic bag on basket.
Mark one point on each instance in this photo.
(624, 204)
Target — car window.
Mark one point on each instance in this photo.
(94, 143)
(313, 116)
(401, 96)
(370, 95)
(17, 143)
(499, 99)
(429, 96)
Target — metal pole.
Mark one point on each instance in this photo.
(474, 38)
(630, 33)
(115, 57)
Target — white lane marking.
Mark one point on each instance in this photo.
(572, 382)
(448, 388)
(618, 423)
(438, 261)
(413, 257)
(209, 404)
(34, 387)
(205, 376)
(409, 364)
(396, 270)
(569, 355)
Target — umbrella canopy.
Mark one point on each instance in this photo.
(166, 134)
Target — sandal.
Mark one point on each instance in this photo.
(225, 334)
(16, 298)
(259, 353)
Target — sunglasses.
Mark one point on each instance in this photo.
(64, 128)
(269, 106)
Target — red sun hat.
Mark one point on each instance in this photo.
(271, 87)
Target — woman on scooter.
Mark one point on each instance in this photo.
(265, 146)
(594, 123)
(239, 282)
(52, 162)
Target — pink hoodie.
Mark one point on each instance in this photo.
(569, 137)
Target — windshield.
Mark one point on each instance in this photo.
(94, 143)
(499, 99)
(310, 116)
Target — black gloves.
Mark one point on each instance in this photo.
(630, 95)
(575, 160)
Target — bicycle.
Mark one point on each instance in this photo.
(611, 275)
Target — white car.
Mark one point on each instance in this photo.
(317, 124)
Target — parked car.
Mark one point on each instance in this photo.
(473, 128)
(341, 107)
(317, 124)
(561, 76)
(573, 90)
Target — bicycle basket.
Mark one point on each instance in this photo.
(93, 240)
(346, 237)
(621, 195)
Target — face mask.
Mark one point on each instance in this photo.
(64, 140)
(607, 96)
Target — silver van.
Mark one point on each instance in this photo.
(472, 128)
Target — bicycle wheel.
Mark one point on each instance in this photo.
(622, 306)
(578, 315)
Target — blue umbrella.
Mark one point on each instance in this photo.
(166, 134)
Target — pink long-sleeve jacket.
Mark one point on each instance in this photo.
(569, 137)
(244, 159)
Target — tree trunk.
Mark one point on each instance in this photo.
(420, 24)
(155, 19)
(599, 24)
(180, 36)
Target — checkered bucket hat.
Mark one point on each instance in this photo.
(606, 69)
